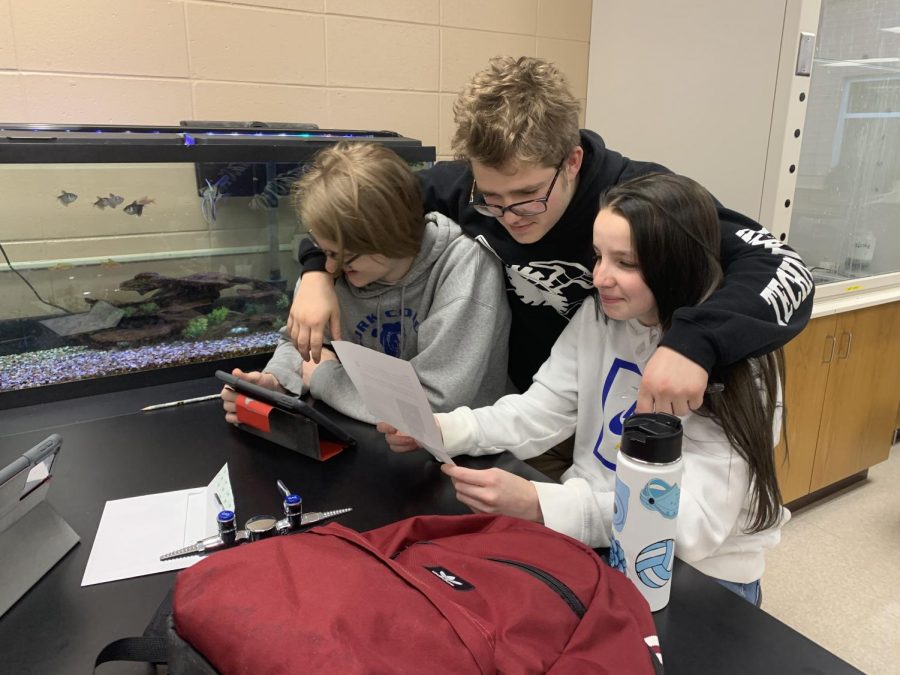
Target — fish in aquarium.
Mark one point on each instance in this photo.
(210, 195)
(67, 198)
(136, 207)
(112, 201)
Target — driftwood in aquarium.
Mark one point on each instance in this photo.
(191, 307)
(117, 336)
(200, 286)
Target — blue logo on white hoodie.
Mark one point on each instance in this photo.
(617, 404)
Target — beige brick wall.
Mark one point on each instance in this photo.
(392, 64)
(364, 64)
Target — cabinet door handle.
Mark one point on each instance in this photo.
(829, 352)
(849, 336)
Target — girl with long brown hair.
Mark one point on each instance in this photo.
(655, 242)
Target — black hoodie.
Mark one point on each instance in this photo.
(764, 301)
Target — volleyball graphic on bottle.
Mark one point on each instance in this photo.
(653, 564)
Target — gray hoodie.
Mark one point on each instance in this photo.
(448, 317)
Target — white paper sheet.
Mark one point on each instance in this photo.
(134, 532)
(392, 392)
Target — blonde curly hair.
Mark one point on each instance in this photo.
(516, 110)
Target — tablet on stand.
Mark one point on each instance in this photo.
(286, 420)
(33, 537)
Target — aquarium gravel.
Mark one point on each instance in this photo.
(64, 364)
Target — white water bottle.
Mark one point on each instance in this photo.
(648, 489)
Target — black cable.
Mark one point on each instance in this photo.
(28, 283)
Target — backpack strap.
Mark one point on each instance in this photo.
(473, 635)
(149, 648)
(141, 649)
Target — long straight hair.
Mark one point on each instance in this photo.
(676, 237)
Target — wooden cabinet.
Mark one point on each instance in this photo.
(842, 395)
(807, 360)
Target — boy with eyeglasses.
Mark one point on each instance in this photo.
(409, 284)
(527, 187)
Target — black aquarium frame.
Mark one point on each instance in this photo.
(87, 144)
(199, 143)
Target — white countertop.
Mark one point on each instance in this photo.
(844, 296)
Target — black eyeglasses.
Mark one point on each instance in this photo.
(331, 255)
(529, 207)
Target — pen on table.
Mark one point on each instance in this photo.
(172, 404)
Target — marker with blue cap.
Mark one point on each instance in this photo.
(226, 522)
(293, 506)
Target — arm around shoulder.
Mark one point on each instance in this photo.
(445, 188)
(764, 301)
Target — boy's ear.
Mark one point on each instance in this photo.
(573, 162)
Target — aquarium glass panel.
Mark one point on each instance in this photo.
(115, 268)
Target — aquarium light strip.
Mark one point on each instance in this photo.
(71, 263)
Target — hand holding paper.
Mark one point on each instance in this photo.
(392, 392)
(397, 441)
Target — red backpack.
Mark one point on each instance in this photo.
(443, 594)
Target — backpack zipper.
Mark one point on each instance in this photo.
(555, 584)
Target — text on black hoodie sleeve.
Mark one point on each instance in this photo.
(764, 301)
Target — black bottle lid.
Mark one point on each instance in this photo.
(652, 437)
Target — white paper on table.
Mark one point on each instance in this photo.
(392, 392)
(134, 532)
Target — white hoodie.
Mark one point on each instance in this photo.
(589, 385)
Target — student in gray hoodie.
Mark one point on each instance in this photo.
(409, 285)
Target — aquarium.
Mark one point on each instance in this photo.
(127, 250)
